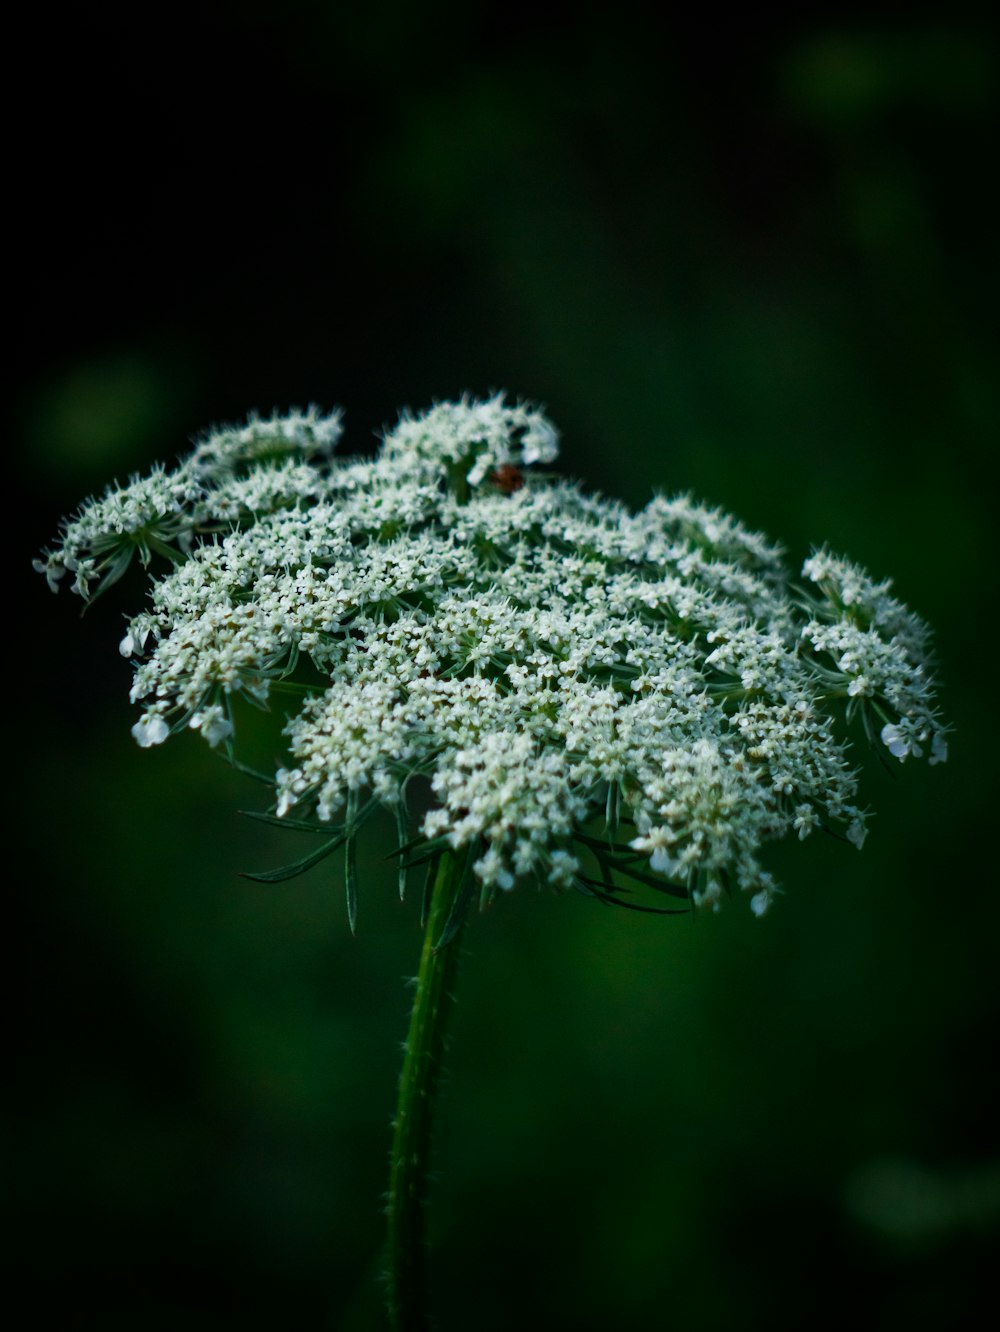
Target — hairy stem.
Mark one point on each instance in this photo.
(422, 1061)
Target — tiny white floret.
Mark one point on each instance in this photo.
(150, 730)
(894, 740)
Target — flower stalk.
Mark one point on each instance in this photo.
(423, 1058)
(578, 695)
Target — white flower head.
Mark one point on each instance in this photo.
(599, 699)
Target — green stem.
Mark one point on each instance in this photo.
(422, 1061)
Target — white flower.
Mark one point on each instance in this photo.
(895, 741)
(285, 802)
(135, 639)
(857, 832)
(563, 867)
(939, 749)
(528, 660)
(806, 819)
(760, 902)
(711, 895)
(150, 730)
(659, 843)
(492, 871)
(213, 724)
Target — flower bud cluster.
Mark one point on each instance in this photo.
(581, 691)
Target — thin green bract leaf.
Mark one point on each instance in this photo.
(352, 824)
(295, 825)
(401, 830)
(459, 907)
(298, 867)
(591, 888)
(428, 893)
(114, 569)
(432, 849)
(623, 862)
(264, 778)
(351, 882)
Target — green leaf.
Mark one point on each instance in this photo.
(299, 866)
(170, 553)
(649, 880)
(425, 901)
(409, 844)
(115, 567)
(351, 882)
(401, 831)
(623, 862)
(297, 825)
(591, 888)
(246, 770)
(459, 907)
(611, 806)
(486, 895)
(602, 844)
(432, 849)
(291, 663)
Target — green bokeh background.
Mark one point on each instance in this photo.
(753, 260)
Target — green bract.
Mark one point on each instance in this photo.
(586, 693)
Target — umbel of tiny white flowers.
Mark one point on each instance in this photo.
(591, 697)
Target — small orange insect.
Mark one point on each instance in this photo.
(507, 478)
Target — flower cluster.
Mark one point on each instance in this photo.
(219, 484)
(569, 691)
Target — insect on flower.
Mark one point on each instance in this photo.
(507, 478)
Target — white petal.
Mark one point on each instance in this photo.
(150, 730)
(895, 741)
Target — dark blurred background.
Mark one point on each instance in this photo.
(753, 259)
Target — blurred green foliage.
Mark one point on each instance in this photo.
(752, 261)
